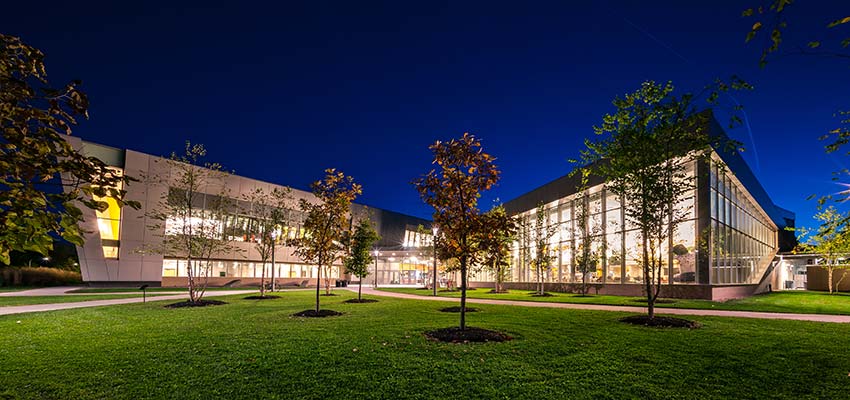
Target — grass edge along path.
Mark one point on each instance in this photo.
(791, 302)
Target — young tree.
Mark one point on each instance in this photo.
(832, 242)
(269, 214)
(327, 223)
(463, 171)
(360, 257)
(642, 152)
(190, 214)
(43, 179)
(586, 257)
(498, 234)
(543, 232)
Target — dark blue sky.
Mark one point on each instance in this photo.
(282, 90)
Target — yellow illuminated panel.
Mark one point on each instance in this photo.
(110, 251)
(109, 221)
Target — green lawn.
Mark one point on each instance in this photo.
(256, 350)
(7, 301)
(799, 302)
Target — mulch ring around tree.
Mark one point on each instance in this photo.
(319, 314)
(266, 297)
(457, 309)
(360, 301)
(494, 291)
(657, 301)
(660, 322)
(199, 303)
(328, 294)
(542, 295)
(476, 335)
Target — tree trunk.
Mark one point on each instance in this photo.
(360, 290)
(463, 293)
(318, 285)
(647, 280)
(263, 281)
(190, 282)
(829, 269)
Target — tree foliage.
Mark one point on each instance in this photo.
(587, 255)
(642, 150)
(35, 203)
(327, 224)
(360, 257)
(544, 254)
(462, 171)
(188, 216)
(832, 42)
(499, 230)
(831, 241)
(772, 21)
(270, 213)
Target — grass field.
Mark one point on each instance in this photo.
(799, 302)
(255, 349)
(7, 301)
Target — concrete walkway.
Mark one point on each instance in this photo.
(596, 307)
(96, 303)
(63, 291)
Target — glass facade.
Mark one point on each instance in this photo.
(244, 269)
(743, 239)
(740, 239)
(401, 267)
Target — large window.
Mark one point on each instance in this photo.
(743, 240)
(616, 241)
(109, 222)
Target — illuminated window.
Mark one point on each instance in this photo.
(110, 251)
(109, 222)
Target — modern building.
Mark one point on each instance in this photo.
(114, 254)
(725, 247)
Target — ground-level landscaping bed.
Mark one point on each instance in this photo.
(799, 302)
(258, 349)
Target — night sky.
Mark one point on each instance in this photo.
(280, 91)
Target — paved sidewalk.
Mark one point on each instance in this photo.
(96, 303)
(596, 307)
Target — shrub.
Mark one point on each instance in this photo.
(38, 276)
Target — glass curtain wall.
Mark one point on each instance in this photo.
(613, 238)
(743, 240)
(243, 269)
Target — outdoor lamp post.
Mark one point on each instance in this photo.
(274, 239)
(434, 244)
(375, 278)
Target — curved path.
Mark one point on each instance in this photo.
(95, 303)
(597, 307)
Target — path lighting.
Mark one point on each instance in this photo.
(375, 279)
(434, 245)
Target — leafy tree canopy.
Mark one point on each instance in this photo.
(35, 203)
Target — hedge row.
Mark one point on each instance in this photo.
(38, 276)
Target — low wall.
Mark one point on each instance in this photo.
(705, 292)
(123, 284)
(171, 281)
(817, 277)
